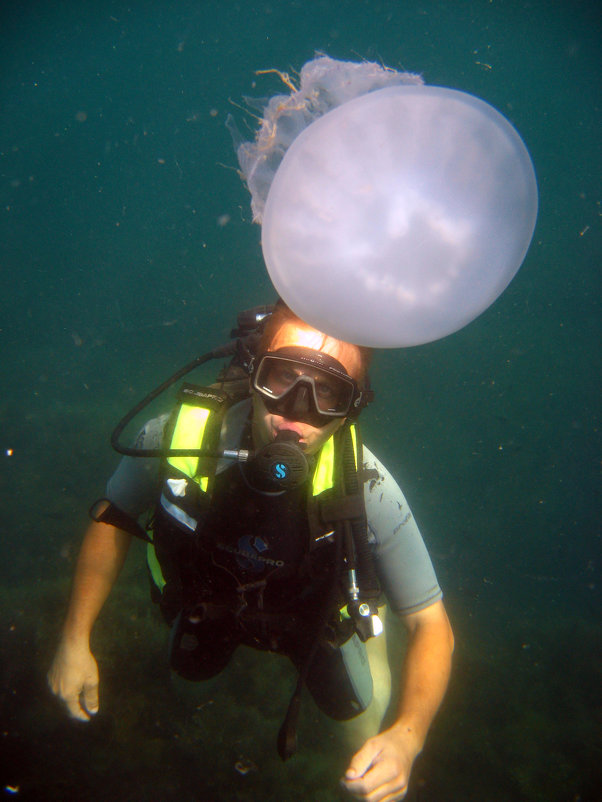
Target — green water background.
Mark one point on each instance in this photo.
(126, 249)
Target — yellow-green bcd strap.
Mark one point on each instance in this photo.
(155, 567)
(324, 473)
(189, 432)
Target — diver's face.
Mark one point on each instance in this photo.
(266, 425)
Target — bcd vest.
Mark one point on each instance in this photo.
(184, 510)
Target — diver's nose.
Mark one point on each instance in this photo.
(301, 402)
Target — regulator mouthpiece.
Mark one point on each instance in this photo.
(280, 465)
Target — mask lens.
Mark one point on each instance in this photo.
(278, 377)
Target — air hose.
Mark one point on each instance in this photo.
(365, 590)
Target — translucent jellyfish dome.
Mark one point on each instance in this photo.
(392, 213)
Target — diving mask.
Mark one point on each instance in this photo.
(306, 385)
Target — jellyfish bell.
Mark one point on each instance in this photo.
(398, 217)
(392, 213)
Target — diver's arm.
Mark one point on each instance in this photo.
(73, 675)
(426, 670)
(382, 766)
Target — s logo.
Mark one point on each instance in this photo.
(280, 470)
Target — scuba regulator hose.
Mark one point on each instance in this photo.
(280, 465)
(218, 353)
(242, 348)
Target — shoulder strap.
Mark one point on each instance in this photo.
(334, 496)
(341, 512)
(196, 422)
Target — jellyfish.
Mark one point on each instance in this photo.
(393, 213)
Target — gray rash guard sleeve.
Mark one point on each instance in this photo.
(135, 485)
(403, 564)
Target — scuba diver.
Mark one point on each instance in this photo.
(270, 525)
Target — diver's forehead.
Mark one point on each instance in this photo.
(291, 334)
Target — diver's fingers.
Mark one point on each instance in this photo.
(89, 698)
(363, 759)
(73, 678)
(69, 694)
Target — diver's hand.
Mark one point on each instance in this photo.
(380, 771)
(73, 677)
